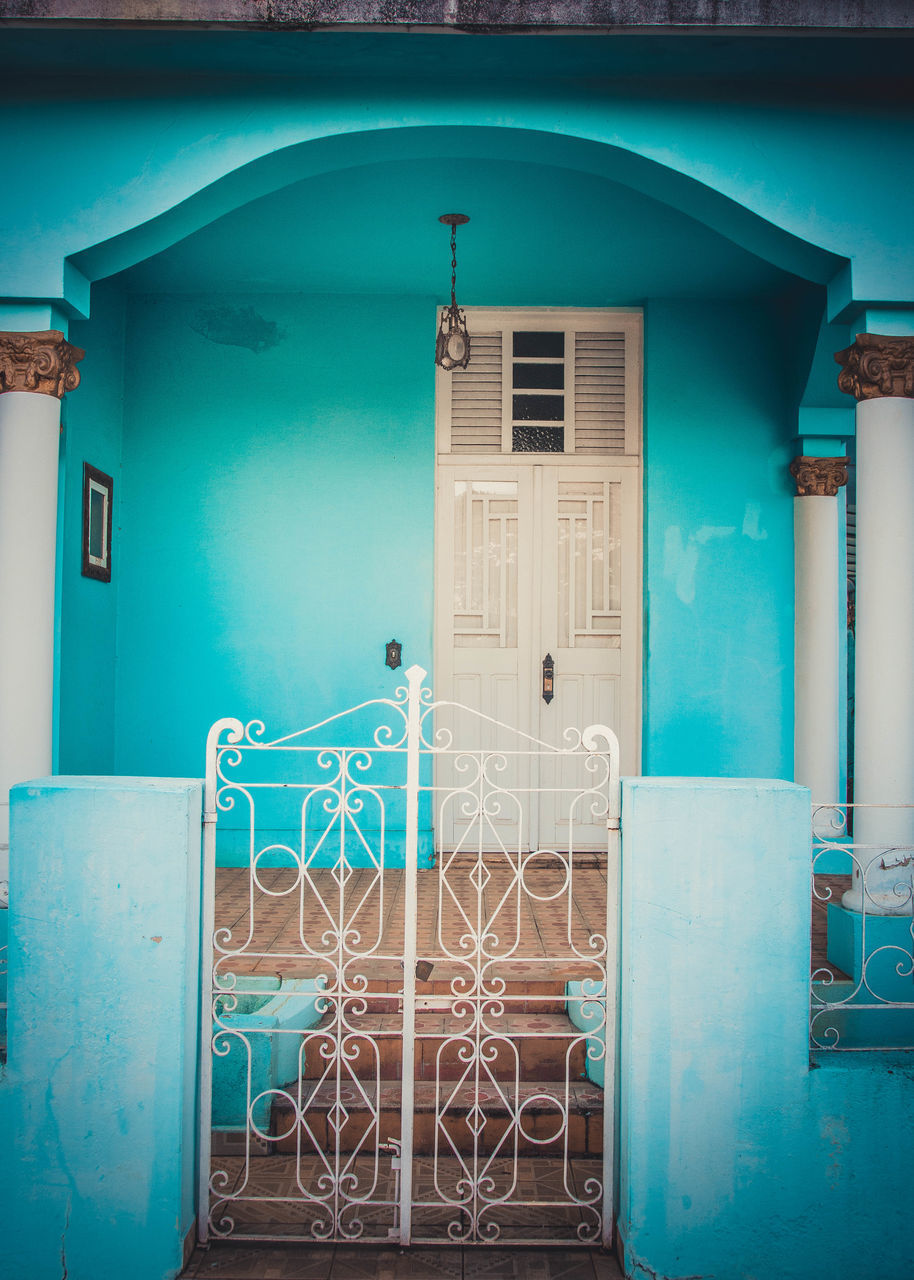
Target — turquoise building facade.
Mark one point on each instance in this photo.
(751, 265)
(239, 229)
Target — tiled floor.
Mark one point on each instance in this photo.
(247, 1260)
(539, 929)
(546, 923)
(225, 1261)
(530, 1199)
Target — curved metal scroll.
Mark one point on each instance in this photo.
(352, 1100)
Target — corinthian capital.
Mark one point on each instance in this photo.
(818, 477)
(42, 362)
(877, 365)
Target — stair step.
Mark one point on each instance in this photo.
(583, 1095)
(559, 967)
(521, 995)
(460, 1125)
(544, 1046)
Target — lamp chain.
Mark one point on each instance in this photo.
(453, 266)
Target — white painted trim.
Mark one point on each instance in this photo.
(95, 487)
(542, 459)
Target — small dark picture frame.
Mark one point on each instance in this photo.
(98, 493)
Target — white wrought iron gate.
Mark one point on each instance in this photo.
(397, 1053)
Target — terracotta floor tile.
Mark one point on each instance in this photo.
(446, 910)
(227, 1261)
(390, 1263)
(260, 1261)
(606, 1267)
(425, 1264)
(525, 1264)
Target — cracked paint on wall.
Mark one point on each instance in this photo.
(835, 1134)
(237, 327)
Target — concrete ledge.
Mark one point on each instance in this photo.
(480, 15)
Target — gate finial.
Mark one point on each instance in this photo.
(415, 674)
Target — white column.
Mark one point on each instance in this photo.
(819, 624)
(35, 370)
(879, 371)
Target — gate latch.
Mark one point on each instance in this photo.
(548, 678)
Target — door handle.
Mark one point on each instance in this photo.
(548, 678)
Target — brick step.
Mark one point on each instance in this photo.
(518, 970)
(520, 995)
(485, 1128)
(533, 1046)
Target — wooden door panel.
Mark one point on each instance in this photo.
(533, 558)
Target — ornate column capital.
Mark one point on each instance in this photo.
(42, 362)
(818, 477)
(877, 365)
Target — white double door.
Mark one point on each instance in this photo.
(535, 559)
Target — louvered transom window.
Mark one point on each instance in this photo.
(599, 392)
(475, 398)
(544, 382)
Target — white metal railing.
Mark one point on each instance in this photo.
(862, 994)
(324, 821)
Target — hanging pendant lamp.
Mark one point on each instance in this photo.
(452, 348)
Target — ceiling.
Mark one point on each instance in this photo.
(538, 235)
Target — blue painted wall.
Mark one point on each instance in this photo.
(315, 198)
(87, 667)
(739, 1158)
(277, 507)
(97, 1127)
(718, 646)
(274, 513)
(275, 526)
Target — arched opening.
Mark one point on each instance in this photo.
(263, 388)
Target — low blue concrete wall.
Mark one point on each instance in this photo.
(739, 1159)
(97, 1102)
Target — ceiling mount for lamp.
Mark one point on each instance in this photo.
(452, 349)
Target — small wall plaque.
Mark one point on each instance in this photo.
(394, 654)
(98, 492)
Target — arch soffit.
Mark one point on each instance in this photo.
(275, 170)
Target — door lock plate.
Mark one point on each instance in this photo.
(548, 678)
